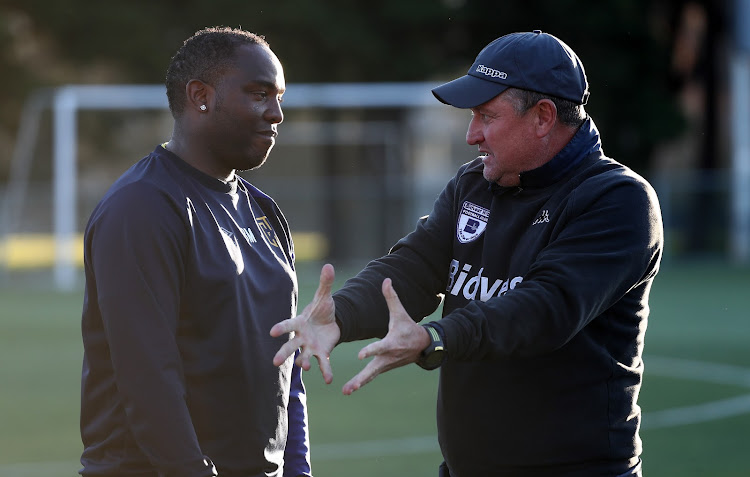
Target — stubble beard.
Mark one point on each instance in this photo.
(502, 179)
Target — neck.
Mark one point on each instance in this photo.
(196, 155)
(548, 148)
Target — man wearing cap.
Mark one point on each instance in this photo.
(543, 251)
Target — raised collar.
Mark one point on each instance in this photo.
(584, 142)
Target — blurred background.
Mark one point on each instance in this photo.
(355, 165)
(363, 152)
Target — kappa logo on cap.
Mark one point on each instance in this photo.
(491, 72)
(472, 222)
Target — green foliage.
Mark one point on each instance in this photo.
(393, 40)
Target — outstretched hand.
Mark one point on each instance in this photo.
(402, 345)
(315, 332)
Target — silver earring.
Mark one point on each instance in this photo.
(202, 107)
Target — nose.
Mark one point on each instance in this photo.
(474, 134)
(274, 114)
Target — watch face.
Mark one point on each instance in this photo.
(433, 359)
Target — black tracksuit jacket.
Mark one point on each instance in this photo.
(545, 292)
(185, 276)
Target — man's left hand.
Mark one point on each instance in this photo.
(402, 345)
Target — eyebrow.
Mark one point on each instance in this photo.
(268, 85)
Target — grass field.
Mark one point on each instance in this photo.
(696, 393)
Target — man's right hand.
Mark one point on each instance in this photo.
(314, 331)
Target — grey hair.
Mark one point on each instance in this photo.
(568, 112)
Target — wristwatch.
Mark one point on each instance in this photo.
(433, 355)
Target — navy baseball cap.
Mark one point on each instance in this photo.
(533, 61)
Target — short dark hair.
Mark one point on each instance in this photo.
(204, 56)
(568, 112)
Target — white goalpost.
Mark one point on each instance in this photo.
(67, 101)
(433, 136)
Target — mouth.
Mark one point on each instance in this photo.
(269, 133)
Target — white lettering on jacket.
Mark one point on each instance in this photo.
(476, 287)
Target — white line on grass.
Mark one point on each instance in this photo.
(658, 365)
(705, 412)
(697, 371)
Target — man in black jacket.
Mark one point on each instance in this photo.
(188, 265)
(545, 251)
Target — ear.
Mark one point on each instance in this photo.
(546, 117)
(198, 94)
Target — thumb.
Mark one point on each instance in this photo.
(391, 297)
(327, 275)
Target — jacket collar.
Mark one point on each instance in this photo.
(583, 143)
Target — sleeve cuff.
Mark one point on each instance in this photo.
(438, 327)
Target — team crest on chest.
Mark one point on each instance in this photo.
(265, 227)
(471, 222)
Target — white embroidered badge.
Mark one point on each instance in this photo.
(471, 222)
